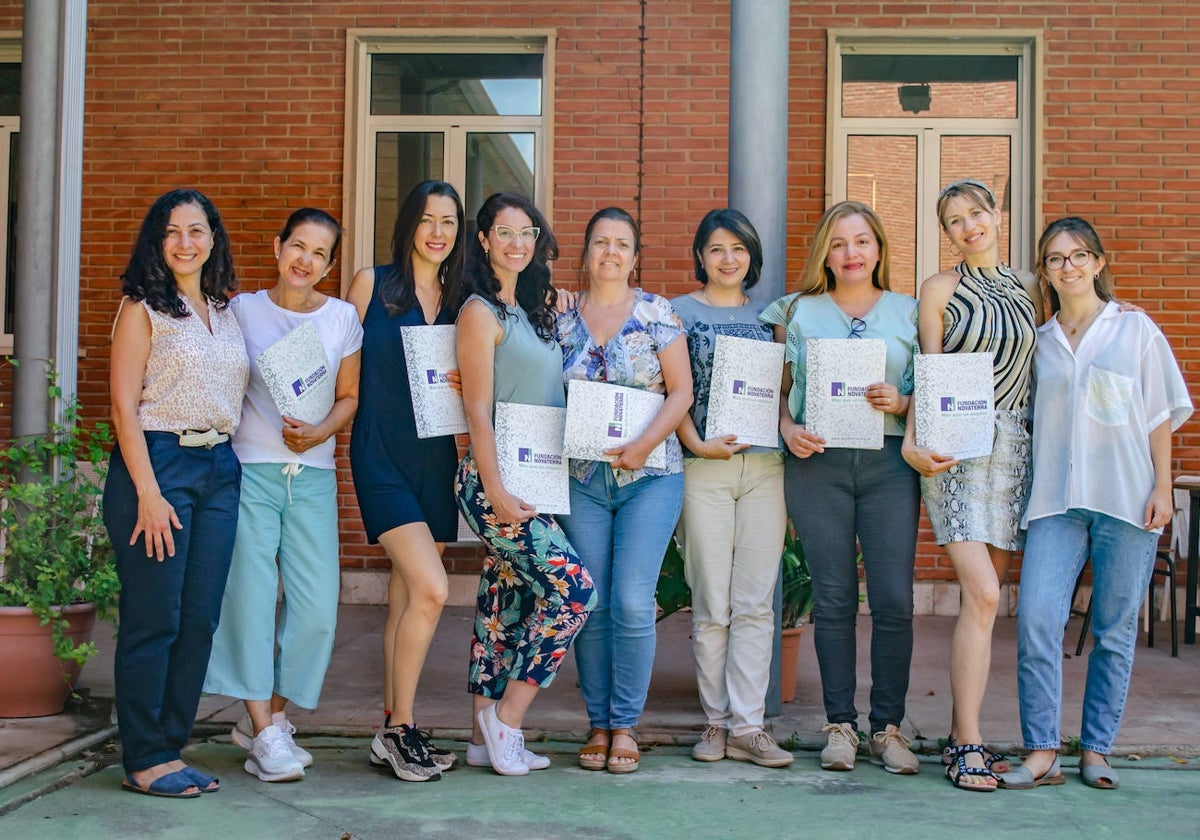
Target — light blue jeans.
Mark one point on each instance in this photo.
(1122, 560)
(620, 534)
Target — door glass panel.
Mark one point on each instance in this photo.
(10, 258)
(882, 172)
(498, 162)
(402, 160)
(972, 86)
(10, 89)
(989, 161)
(456, 84)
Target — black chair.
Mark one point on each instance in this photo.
(1164, 567)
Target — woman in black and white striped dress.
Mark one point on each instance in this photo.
(979, 306)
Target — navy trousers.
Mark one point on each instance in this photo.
(169, 610)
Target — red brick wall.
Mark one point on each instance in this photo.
(245, 101)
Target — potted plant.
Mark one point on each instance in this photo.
(797, 604)
(57, 571)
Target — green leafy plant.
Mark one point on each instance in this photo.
(673, 593)
(797, 582)
(54, 550)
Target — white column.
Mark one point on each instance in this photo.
(72, 64)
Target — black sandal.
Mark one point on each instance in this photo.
(990, 759)
(957, 755)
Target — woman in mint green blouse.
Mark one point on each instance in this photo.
(842, 499)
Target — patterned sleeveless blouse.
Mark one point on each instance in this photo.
(990, 312)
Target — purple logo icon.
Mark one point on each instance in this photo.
(432, 376)
(837, 389)
(614, 430)
(739, 386)
(299, 387)
(524, 454)
(947, 403)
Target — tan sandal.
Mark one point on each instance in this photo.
(615, 753)
(594, 754)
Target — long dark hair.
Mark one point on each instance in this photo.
(397, 288)
(736, 223)
(148, 277)
(534, 293)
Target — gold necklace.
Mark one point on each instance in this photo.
(1081, 325)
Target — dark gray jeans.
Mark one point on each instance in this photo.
(838, 501)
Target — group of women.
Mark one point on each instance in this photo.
(187, 507)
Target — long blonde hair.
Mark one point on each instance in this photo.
(816, 278)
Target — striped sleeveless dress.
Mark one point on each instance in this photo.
(982, 499)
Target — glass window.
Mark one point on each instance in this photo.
(929, 85)
(881, 172)
(472, 112)
(985, 159)
(402, 160)
(498, 162)
(456, 85)
(10, 89)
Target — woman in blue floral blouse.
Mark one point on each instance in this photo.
(622, 512)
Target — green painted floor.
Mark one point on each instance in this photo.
(670, 797)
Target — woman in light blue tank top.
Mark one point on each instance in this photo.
(534, 594)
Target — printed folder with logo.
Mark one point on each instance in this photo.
(602, 416)
(954, 397)
(430, 354)
(838, 372)
(529, 447)
(743, 394)
(296, 371)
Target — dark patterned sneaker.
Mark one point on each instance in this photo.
(403, 750)
(444, 759)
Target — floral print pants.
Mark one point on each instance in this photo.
(534, 594)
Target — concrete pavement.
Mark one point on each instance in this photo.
(671, 796)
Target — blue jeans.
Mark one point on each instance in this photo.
(169, 610)
(1122, 560)
(620, 534)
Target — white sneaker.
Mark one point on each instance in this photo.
(504, 744)
(271, 758)
(242, 734)
(477, 756)
(288, 729)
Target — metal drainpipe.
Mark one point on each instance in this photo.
(34, 287)
(758, 132)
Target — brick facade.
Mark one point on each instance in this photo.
(246, 101)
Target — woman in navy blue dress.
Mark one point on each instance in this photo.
(405, 484)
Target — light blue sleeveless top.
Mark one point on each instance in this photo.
(526, 370)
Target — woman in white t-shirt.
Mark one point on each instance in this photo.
(289, 503)
(1107, 396)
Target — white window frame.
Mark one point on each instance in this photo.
(1023, 131)
(358, 196)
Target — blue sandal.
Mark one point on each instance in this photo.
(171, 786)
(958, 762)
(206, 783)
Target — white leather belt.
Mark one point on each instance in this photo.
(207, 439)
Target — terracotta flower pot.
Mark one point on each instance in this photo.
(789, 662)
(36, 682)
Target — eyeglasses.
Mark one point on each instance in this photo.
(1077, 258)
(857, 325)
(507, 234)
